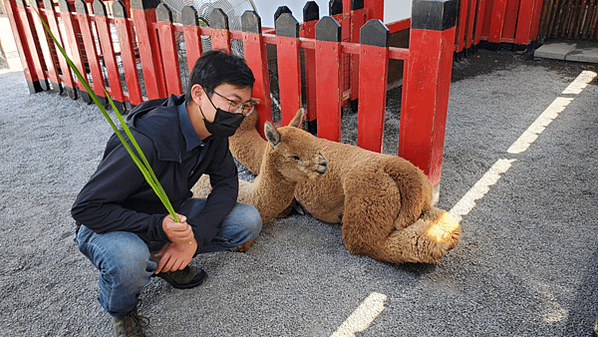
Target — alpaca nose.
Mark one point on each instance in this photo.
(322, 165)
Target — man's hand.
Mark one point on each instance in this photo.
(175, 256)
(177, 232)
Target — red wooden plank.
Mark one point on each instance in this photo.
(97, 78)
(257, 59)
(45, 46)
(471, 15)
(480, 21)
(536, 17)
(376, 9)
(67, 77)
(425, 100)
(329, 94)
(151, 63)
(289, 66)
(398, 26)
(289, 77)
(461, 25)
(524, 22)
(358, 19)
(107, 47)
(127, 53)
(510, 19)
(27, 59)
(373, 75)
(168, 50)
(71, 28)
(310, 72)
(497, 20)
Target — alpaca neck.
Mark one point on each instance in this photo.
(270, 192)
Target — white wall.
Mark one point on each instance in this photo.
(394, 10)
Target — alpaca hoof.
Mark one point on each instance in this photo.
(243, 247)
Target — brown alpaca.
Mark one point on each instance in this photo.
(290, 156)
(384, 202)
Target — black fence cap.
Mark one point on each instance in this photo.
(251, 22)
(287, 26)
(374, 33)
(99, 8)
(328, 29)
(436, 15)
(218, 19)
(311, 11)
(144, 4)
(163, 13)
(81, 6)
(189, 16)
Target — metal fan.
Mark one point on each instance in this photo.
(234, 9)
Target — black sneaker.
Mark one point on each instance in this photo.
(187, 278)
(131, 325)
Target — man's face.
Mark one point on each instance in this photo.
(226, 97)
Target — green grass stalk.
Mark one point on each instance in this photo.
(141, 160)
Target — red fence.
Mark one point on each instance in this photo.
(497, 21)
(134, 55)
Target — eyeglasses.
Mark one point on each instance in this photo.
(235, 107)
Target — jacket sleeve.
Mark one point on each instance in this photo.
(98, 205)
(223, 198)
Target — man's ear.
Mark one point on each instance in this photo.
(197, 91)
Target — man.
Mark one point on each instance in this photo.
(122, 226)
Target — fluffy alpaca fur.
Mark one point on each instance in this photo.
(384, 202)
(283, 165)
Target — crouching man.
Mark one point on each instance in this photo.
(122, 226)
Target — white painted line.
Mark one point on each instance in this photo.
(538, 126)
(477, 192)
(580, 82)
(363, 316)
(552, 112)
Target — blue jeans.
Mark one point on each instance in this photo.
(123, 258)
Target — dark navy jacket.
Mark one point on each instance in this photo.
(117, 198)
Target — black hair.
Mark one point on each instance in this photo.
(214, 68)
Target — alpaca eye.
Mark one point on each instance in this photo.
(295, 157)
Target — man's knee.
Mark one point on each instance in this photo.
(253, 223)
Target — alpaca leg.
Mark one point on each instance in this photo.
(372, 204)
(426, 241)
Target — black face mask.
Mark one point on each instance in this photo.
(225, 123)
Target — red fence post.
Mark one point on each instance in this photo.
(91, 53)
(22, 33)
(71, 28)
(168, 49)
(144, 18)
(376, 8)
(311, 14)
(426, 86)
(289, 68)
(46, 48)
(220, 31)
(65, 70)
(127, 53)
(357, 21)
(257, 59)
(329, 78)
(192, 35)
(373, 77)
(107, 47)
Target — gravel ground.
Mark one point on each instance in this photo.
(527, 264)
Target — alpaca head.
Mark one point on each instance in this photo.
(293, 152)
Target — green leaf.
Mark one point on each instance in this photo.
(142, 164)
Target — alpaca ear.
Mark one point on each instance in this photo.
(271, 134)
(298, 119)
